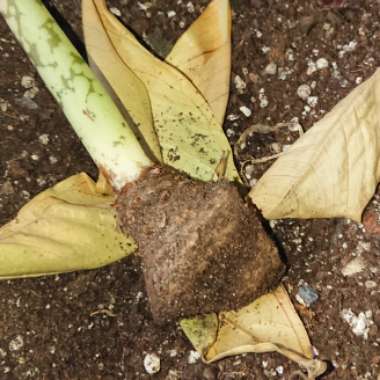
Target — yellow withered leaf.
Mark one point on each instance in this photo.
(268, 324)
(190, 136)
(334, 168)
(203, 54)
(68, 227)
(127, 90)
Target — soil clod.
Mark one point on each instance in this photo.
(203, 247)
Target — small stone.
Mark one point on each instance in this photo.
(271, 69)
(115, 11)
(312, 101)
(370, 284)
(240, 85)
(6, 188)
(354, 266)
(193, 357)
(27, 81)
(16, 343)
(360, 323)
(232, 117)
(245, 111)
(152, 363)
(173, 353)
(306, 295)
(311, 67)
(171, 14)
(322, 63)
(280, 370)
(3, 353)
(31, 93)
(3, 105)
(304, 91)
(35, 157)
(44, 139)
(190, 7)
(53, 160)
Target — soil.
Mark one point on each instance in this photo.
(203, 248)
(96, 324)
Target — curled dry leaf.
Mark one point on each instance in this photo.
(203, 54)
(189, 134)
(268, 324)
(68, 227)
(126, 88)
(333, 169)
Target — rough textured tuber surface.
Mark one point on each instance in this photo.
(203, 248)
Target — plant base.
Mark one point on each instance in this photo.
(203, 247)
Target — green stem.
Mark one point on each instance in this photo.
(90, 110)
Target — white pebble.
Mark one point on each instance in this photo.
(44, 139)
(245, 111)
(171, 14)
(152, 363)
(311, 67)
(16, 343)
(370, 284)
(240, 85)
(115, 11)
(3, 105)
(355, 266)
(271, 69)
(322, 63)
(263, 101)
(193, 357)
(304, 91)
(190, 7)
(280, 370)
(35, 157)
(312, 101)
(27, 81)
(359, 323)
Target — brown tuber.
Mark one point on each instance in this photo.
(203, 247)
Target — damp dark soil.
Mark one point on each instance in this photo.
(203, 247)
(97, 324)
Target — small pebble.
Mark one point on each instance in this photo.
(3, 353)
(152, 363)
(3, 105)
(16, 343)
(271, 69)
(240, 85)
(115, 11)
(354, 266)
(190, 7)
(312, 101)
(304, 91)
(322, 63)
(27, 81)
(370, 284)
(311, 67)
(245, 111)
(280, 370)
(193, 357)
(306, 295)
(360, 323)
(171, 14)
(44, 139)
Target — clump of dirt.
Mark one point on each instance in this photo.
(203, 247)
